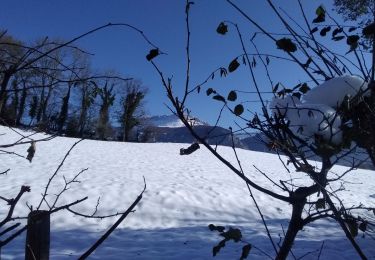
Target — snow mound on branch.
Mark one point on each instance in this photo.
(333, 91)
(280, 106)
(307, 120)
(317, 115)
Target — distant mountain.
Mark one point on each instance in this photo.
(171, 121)
(255, 142)
(170, 129)
(213, 135)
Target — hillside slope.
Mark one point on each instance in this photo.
(184, 194)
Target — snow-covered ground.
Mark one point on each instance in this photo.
(184, 195)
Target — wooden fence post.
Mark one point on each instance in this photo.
(38, 235)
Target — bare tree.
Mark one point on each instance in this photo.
(88, 93)
(131, 107)
(10, 55)
(24, 94)
(308, 201)
(107, 98)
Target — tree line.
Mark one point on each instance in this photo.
(50, 86)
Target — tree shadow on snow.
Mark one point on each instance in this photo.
(184, 243)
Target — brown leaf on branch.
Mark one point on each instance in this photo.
(152, 54)
(31, 151)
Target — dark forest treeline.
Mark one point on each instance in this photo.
(51, 86)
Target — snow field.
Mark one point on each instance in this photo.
(184, 194)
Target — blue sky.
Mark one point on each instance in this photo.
(163, 22)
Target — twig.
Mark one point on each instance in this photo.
(27, 142)
(12, 153)
(20, 231)
(253, 198)
(66, 186)
(268, 178)
(114, 226)
(187, 9)
(4, 172)
(84, 35)
(321, 250)
(9, 229)
(55, 173)
(13, 203)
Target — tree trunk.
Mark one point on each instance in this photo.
(41, 100)
(38, 235)
(103, 122)
(64, 111)
(45, 104)
(14, 108)
(124, 135)
(82, 121)
(294, 227)
(371, 153)
(3, 92)
(21, 108)
(126, 122)
(83, 113)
